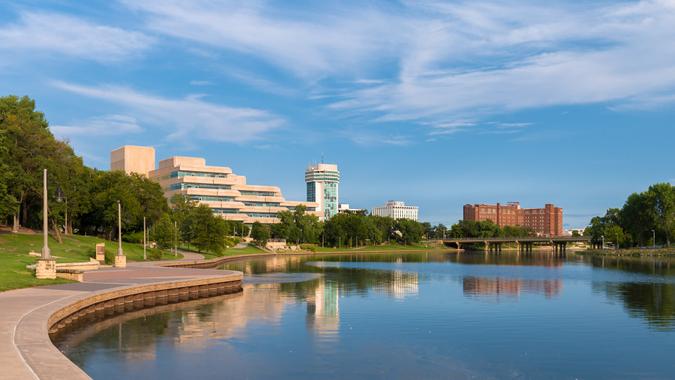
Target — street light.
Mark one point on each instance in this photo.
(60, 197)
(46, 266)
(145, 241)
(603, 241)
(45, 216)
(119, 229)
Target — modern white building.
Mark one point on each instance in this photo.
(228, 195)
(344, 208)
(397, 210)
(323, 183)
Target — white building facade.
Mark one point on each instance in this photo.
(397, 210)
(323, 188)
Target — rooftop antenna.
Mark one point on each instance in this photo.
(322, 158)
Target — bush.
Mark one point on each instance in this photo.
(308, 247)
(134, 237)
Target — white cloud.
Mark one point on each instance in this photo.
(54, 33)
(485, 58)
(444, 60)
(108, 125)
(200, 83)
(309, 44)
(185, 119)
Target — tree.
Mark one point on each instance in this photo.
(210, 231)
(163, 232)
(661, 198)
(260, 233)
(8, 204)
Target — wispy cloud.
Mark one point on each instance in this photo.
(372, 138)
(309, 44)
(200, 83)
(525, 55)
(450, 60)
(185, 119)
(108, 125)
(55, 33)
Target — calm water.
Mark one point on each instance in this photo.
(405, 316)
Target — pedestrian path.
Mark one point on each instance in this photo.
(26, 352)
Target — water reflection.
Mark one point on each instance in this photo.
(410, 311)
(478, 286)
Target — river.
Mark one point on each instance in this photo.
(404, 316)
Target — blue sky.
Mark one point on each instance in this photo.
(437, 104)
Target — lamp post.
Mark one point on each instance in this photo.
(61, 197)
(175, 238)
(120, 259)
(603, 241)
(46, 266)
(653, 239)
(145, 241)
(45, 216)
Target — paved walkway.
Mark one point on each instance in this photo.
(26, 352)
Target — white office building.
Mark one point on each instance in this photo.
(397, 210)
(323, 183)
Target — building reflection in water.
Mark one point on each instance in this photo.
(496, 287)
(403, 284)
(323, 311)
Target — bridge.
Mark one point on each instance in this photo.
(524, 244)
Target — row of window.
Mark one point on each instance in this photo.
(187, 173)
(208, 198)
(263, 204)
(185, 186)
(258, 193)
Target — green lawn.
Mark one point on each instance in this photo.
(248, 250)
(14, 256)
(371, 248)
(669, 252)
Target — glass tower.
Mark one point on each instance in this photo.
(323, 182)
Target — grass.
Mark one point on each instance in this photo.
(14, 256)
(636, 252)
(248, 250)
(373, 248)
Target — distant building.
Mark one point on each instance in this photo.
(546, 221)
(323, 182)
(133, 159)
(572, 231)
(397, 210)
(227, 194)
(344, 208)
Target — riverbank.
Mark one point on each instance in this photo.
(29, 315)
(15, 248)
(631, 252)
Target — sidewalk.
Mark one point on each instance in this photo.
(26, 352)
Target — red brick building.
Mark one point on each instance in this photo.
(546, 221)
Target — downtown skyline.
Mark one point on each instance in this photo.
(438, 105)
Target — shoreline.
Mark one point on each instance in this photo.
(31, 315)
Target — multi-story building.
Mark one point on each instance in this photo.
(323, 183)
(225, 192)
(133, 159)
(344, 208)
(397, 210)
(546, 221)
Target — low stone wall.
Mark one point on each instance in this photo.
(212, 263)
(103, 305)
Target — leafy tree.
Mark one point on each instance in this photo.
(210, 231)
(163, 232)
(260, 233)
(661, 198)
